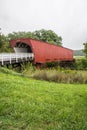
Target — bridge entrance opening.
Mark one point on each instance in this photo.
(21, 47)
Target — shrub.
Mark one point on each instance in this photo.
(67, 76)
(80, 64)
(84, 63)
(42, 75)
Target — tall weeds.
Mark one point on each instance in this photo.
(58, 74)
(61, 76)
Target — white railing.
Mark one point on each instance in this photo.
(10, 57)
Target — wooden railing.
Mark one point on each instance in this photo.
(9, 58)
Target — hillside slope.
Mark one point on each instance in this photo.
(79, 53)
(27, 104)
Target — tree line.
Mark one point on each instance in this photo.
(43, 35)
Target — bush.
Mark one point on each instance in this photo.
(42, 75)
(84, 63)
(67, 76)
(80, 64)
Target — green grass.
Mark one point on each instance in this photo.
(27, 104)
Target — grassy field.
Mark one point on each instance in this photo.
(27, 104)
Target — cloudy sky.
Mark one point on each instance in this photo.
(67, 18)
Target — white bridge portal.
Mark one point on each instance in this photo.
(11, 58)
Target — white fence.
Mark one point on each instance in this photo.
(15, 57)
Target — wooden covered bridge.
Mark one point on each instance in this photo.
(36, 51)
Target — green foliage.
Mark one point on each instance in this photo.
(16, 35)
(4, 44)
(52, 64)
(80, 64)
(84, 63)
(85, 49)
(27, 104)
(48, 36)
(27, 69)
(43, 35)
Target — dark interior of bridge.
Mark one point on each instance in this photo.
(22, 47)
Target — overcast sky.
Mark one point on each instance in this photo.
(67, 18)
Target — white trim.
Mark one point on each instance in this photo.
(9, 57)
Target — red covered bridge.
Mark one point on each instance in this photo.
(36, 51)
(43, 51)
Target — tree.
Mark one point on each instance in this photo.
(48, 36)
(16, 35)
(85, 49)
(4, 44)
(43, 35)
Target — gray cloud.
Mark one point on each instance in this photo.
(66, 17)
